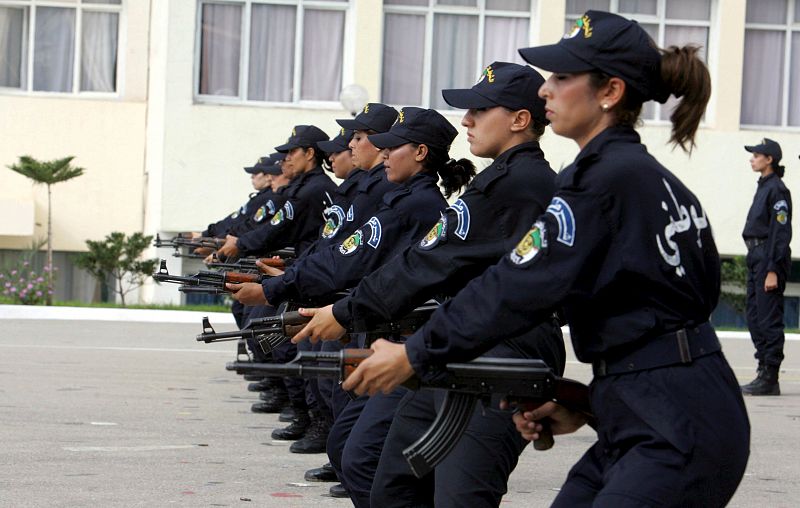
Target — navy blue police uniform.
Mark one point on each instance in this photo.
(767, 234)
(627, 250)
(297, 223)
(474, 233)
(269, 203)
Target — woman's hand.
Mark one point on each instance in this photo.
(249, 293)
(385, 370)
(771, 282)
(229, 249)
(269, 270)
(528, 419)
(323, 326)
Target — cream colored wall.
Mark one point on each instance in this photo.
(106, 136)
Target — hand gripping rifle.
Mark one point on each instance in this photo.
(518, 379)
(271, 332)
(205, 281)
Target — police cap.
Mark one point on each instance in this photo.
(417, 125)
(303, 136)
(338, 144)
(374, 117)
(767, 147)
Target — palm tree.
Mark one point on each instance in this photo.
(48, 173)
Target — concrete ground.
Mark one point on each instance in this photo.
(100, 413)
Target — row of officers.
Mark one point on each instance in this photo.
(614, 244)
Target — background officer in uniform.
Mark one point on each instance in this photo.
(767, 234)
(628, 252)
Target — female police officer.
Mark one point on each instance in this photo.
(767, 234)
(627, 249)
(504, 120)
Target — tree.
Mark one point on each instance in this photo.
(733, 274)
(117, 258)
(48, 173)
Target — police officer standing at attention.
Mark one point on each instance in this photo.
(767, 234)
(627, 250)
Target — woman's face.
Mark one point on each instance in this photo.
(401, 162)
(298, 161)
(488, 130)
(260, 180)
(342, 163)
(365, 155)
(760, 162)
(573, 107)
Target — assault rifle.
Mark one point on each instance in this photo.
(205, 281)
(519, 380)
(186, 241)
(270, 332)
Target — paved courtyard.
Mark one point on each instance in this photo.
(102, 413)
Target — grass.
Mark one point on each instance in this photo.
(111, 305)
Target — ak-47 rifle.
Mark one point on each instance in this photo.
(271, 332)
(519, 380)
(205, 281)
(182, 241)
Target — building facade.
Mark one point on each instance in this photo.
(164, 101)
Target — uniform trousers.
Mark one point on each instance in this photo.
(475, 473)
(674, 436)
(764, 310)
(356, 440)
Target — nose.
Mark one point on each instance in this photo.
(544, 90)
(352, 144)
(385, 153)
(467, 120)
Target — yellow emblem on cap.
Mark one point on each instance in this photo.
(488, 74)
(262, 160)
(341, 132)
(401, 117)
(294, 132)
(366, 108)
(581, 24)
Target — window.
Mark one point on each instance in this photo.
(669, 23)
(771, 75)
(66, 46)
(446, 44)
(273, 51)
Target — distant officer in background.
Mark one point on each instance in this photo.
(767, 234)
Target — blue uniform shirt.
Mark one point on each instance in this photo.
(770, 220)
(407, 213)
(240, 217)
(624, 248)
(297, 223)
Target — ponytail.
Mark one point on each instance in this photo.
(779, 170)
(455, 174)
(686, 77)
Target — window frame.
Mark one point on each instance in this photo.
(29, 37)
(241, 99)
(660, 19)
(430, 12)
(789, 28)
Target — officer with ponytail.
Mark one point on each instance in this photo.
(626, 249)
(767, 234)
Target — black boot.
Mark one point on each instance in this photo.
(296, 429)
(765, 384)
(321, 474)
(287, 415)
(338, 490)
(274, 404)
(261, 386)
(316, 436)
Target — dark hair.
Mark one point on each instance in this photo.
(683, 75)
(778, 169)
(320, 159)
(455, 174)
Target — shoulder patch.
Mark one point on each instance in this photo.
(438, 233)
(271, 207)
(530, 245)
(462, 212)
(781, 204)
(334, 220)
(260, 213)
(243, 209)
(352, 243)
(559, 209)
(289, 210)
(376, 233)
(350, 214)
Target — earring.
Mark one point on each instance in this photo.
(605, 108)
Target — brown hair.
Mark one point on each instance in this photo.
(455, 174)
(683, 75)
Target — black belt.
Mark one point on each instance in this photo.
(752, 243)
(674, 348)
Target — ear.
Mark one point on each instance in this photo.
(612, 92)
(520, 120)
(311, 152)
(422, 153)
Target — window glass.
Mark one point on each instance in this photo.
(502, 39)
(763, 74)
(54, 49)
(508, 5)
(455, 44)
(323, 43)
(12, 58)
(221, 48)
(638, 7)
(271, 74)
(766, 11)
(578, 7)
(403, 57)
(99, 51)
(689, 9)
